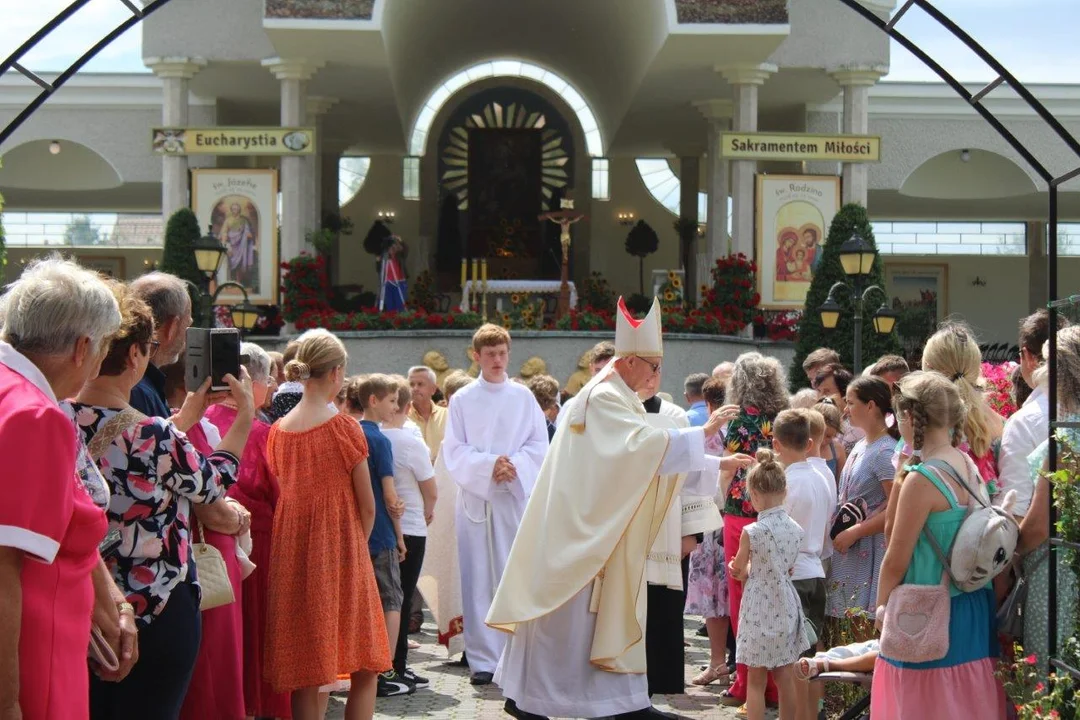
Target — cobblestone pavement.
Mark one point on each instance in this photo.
(451, 696)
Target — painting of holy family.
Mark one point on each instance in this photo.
(793, 217)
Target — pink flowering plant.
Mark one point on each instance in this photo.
(998, 380)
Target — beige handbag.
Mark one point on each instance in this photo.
(212, 573)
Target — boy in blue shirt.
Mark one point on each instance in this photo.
(372, 396)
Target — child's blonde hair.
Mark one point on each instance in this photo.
(817, 425)
(933, 402)
(767, 477)
(954, 352)
(834, 419)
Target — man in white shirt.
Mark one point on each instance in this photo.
(1028, 427)
(810, 502)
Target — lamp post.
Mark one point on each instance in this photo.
(857, 258)
(209, 252)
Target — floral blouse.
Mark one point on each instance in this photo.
(154, 474)
(745, 434)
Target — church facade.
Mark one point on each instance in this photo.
(458, 124)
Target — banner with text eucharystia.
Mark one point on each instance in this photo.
(798, 147)
(234, 141)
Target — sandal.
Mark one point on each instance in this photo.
(809, 668)
(711, 675)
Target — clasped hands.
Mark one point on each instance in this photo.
(504, 471)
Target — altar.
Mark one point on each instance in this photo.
(499, 288)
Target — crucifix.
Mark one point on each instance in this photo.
(564, 217)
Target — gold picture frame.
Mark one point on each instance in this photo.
(239, 207)
(792, 215)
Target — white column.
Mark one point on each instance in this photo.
(745, 81)
(718, 113)
(175, 74)
(689, 181)
(317, 107)
(295, 192)
(856, 83)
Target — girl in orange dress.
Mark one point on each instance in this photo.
(324, 617)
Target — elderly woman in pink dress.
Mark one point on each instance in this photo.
(58, 319)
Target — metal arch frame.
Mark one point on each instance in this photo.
(1053, 183)
(48, 88)
(889, 28)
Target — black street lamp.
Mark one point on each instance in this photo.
(209, 253)
(857, 258)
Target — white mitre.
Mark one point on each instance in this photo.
(632, 337)
(638, 337)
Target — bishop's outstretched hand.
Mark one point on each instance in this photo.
(719, 418)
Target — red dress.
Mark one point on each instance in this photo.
(216, 689)
(49, 516)
(256, 490)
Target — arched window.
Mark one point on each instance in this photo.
(505, 68)
(664, 185)
(352, 172)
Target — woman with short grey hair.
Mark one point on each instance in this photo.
(758, 385)
(257, 490)
(58, 322)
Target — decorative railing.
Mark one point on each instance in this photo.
(743, 12)
(320, 9)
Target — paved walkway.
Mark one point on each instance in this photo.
(451, 696)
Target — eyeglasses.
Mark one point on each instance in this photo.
(655, 366)
(154, 345)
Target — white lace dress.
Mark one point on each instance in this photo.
(771, 630)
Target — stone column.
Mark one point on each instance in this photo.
(317, 107)
(745, 81)
(175, 74)
(293, 75)
(689, 180)
(856, 83)
(718, 113)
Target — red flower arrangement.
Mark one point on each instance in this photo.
(998, 389)
(305, 287)
(781, 326)
(732, 298)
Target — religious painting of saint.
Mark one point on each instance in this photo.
(793, 217)
(239, 207)
(235, 221)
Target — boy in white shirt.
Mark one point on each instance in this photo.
(810, 502)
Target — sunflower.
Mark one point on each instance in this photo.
(506, 318)
(515, 299)
(676, 283)
(671, 275)
(669, 295)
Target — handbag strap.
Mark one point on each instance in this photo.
(113, 428)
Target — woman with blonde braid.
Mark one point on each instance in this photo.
(933, 499)
(954, 352)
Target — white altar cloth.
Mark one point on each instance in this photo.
(508, 287)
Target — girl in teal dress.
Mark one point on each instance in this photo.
(961, 684)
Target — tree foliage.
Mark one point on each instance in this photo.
(641, 242)
(852, 219)
(178, 255)
(80, 231)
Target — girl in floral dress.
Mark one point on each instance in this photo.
(772, 635)
(707, 583)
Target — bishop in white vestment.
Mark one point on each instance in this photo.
(572, 596)
(493, 424)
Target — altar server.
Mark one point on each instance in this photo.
(573, 594)
(495, 442)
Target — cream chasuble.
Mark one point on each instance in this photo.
(596, 510)
(488, 420)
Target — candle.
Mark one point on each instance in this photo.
(483, 270)
(475, 270)
(464, 263)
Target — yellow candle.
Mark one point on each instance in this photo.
(475, 270)
(464, 263)
(483, 270)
